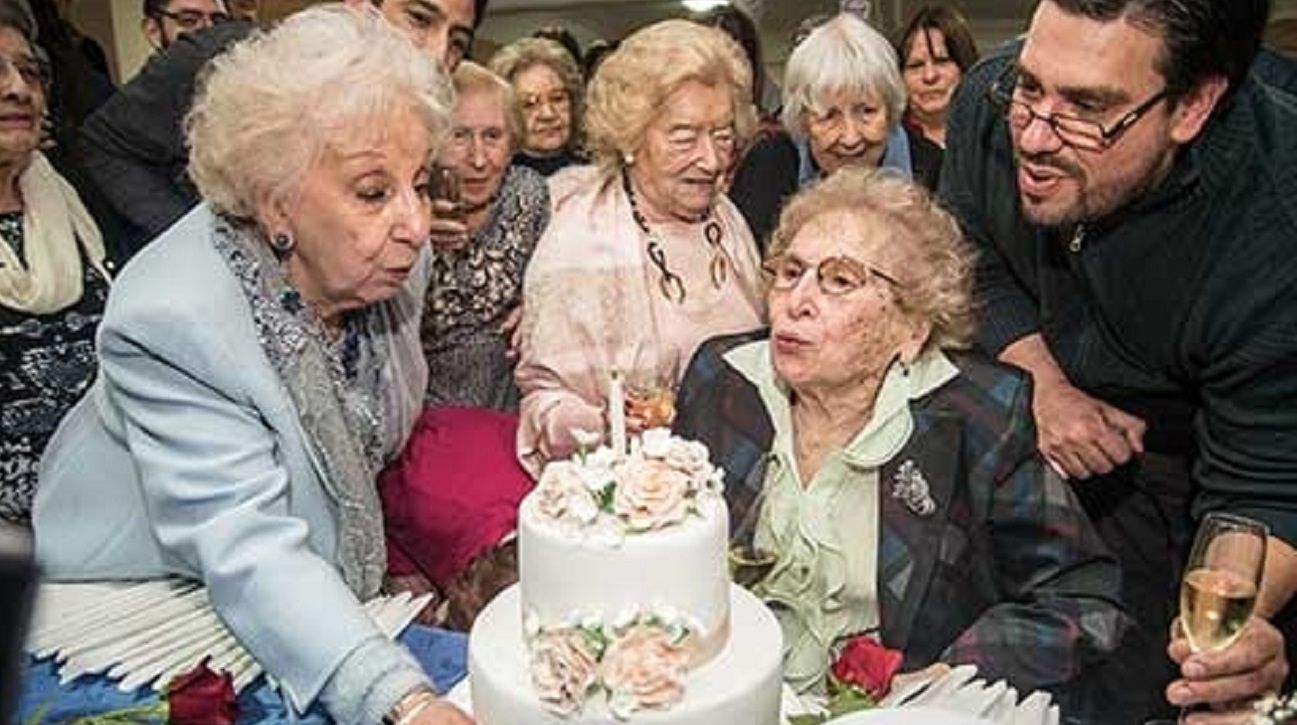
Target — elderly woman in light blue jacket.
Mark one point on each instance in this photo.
(260, 362)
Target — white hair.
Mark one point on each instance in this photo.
(843, 55)
(267, 109)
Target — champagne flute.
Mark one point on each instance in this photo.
(1221, 580)
(446, 192)
(1220, 584)
(750, 558)
(651, 388)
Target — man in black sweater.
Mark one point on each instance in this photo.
(133, 148)
(1132, 188)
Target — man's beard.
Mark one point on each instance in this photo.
(1090, 203)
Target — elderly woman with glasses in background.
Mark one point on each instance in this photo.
(547, 87)
(643, 258)
(894, 482)
(843, 104)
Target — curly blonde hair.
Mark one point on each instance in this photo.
(625, 95)
(936, 262)
(520, 55)
(266, 110)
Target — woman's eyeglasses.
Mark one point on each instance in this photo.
(835, 276)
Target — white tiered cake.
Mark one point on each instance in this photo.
(624, 610)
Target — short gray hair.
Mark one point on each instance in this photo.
(267, 109)
(470, 78)
(843, 55)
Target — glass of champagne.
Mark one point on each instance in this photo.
(446, 192)
(651, 389)
(750, 560)
(1220, 584)
(1221, 580)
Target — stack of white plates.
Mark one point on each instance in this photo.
(142, 633)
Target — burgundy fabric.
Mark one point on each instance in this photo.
(453, 493)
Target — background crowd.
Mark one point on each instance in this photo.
(301, 309)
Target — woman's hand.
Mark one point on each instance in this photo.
(418, 585)
(509, 329)
(441, 712)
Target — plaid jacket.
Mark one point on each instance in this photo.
(1007, 574)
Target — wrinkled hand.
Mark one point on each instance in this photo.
(417, 585)
(510, 329)
(1230, 679)
(1082, 436)
(441, 712)
(447, 231)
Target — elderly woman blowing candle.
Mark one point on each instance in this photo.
(898, 483)
(260, 363)
(643, 258)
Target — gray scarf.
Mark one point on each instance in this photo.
(356, 397)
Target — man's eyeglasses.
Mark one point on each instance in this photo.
(32, 71)
(194, 19)
(1078, 132)
(836, 276)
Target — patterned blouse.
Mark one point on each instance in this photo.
(473, 290)
(46, 364)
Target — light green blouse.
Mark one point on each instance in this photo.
(824, 533)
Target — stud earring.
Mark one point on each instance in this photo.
(282, 244)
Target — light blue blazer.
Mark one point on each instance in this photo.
(187, 458)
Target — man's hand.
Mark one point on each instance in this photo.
(441, 712)
(1078, 434)
(1230, 679)
(447, 231)
(1082, 435)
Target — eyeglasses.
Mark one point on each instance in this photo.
(836, 276)
(1077, 132)
(32, 71)
(194, 19)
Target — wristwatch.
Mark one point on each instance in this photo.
(409, 706)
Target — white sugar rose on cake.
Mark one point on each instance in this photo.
(624, 610)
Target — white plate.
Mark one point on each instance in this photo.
(909, 716)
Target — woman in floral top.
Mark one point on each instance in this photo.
(53, 279)
(477, 286)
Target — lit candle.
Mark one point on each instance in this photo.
(617, 414)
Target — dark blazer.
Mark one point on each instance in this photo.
(1007, 574)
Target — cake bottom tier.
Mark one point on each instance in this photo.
(741, 686)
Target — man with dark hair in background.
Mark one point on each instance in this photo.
(166, 20)
(1130, 184)
(133, 148)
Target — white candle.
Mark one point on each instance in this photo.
(617, 414)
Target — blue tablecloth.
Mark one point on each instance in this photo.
(443, 655)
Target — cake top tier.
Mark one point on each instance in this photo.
(659, 484)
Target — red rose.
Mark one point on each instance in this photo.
(202, 697)
(868, 665)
